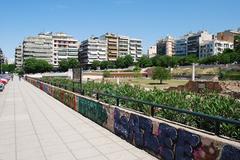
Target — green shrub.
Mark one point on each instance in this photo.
(106, 74)
(229, 75)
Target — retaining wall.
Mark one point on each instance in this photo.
(198, 86)
(163, 139)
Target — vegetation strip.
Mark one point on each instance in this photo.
(207, 103)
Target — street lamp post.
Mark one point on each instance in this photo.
(80, 78)
(193, 72)
(80, 71)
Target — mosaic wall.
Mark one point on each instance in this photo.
(164, 140)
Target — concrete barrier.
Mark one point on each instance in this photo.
(164, 139)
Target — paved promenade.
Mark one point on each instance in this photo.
(35, 126)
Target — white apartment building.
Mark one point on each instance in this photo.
(52, 47)
(123, 46)
(181, 48)
(214, 47)
(19, 56)
(135, 48)
(93, 49)
(39, 47)
(196, 40)
(130, 46)
(152, 51)
(64, 46)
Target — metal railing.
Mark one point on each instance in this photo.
(216, 119)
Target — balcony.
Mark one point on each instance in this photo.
(102, 53)
(93, 52)
(112, 48)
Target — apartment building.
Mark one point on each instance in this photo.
(19, 56)
(166, 46)
(93, 49)
(228, 35)
(152, 51)
(129, 46)
(123, 45)
(135, 48)
(112, 45)
(214, 47)
(118, 46)
(181, 48)
(64, 46)
(52, 47)
(39, 47)
(196, 40)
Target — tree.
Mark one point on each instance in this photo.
(175, 61)
(209, 60)
(144, 62)
(11, 68)
(73, 63)
(4, 68)
(120, 62)
(63, 65)
(224, 58)
(95, 64)
(104, 64)
(161, 74)
(190, 59)
(164, 61)
(20, 72)
(33, 65)
(137, 69)
(111, 64)
(66, 64)
(128, 61)
(156, 60)
(43, 66)
(8, 68)
(30, 65)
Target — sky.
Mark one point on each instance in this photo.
(148, 20)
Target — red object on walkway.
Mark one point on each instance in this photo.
(4, 81)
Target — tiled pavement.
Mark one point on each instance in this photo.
(35, 126)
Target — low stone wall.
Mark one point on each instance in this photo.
(231, 88)
(198, 86)
(164, 140)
